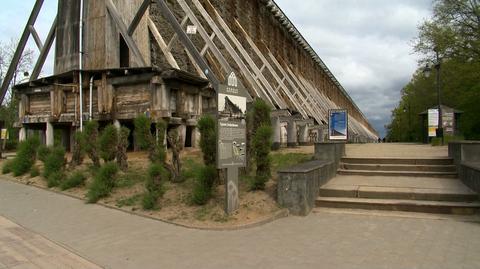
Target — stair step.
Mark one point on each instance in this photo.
(409, 161)
(399, 167)
(399, 193)
(398, 173)
(457, 208)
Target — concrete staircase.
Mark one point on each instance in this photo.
(415, 185)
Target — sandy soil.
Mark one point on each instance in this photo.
(175, 206)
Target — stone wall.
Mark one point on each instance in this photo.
(466, 155)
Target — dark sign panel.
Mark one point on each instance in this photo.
(232, 138)
(338, 124)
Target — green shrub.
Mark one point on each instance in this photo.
(142, 133)
(90, 132)
(149, 201)
(34, 172)
(74, 180)
(157, 153)
(108, 143)
(26, 156)
(55, 179)
(122, 146)
(203, 188)
(103, 183)
(78, 153)
(208, 139)
(42, 153)
(54, 162)
(262, 143)
(157, 175)
(7, 167)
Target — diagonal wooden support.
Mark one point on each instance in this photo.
(138, 17)
(20, 48)
(44, 52)
(112, 10)
(187, 43)
(175, 36)
(36, 37)
(161, 43)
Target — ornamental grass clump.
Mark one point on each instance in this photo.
(75, 180)
(204, 183)
(54, 162)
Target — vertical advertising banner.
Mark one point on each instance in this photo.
(232, 125)
(338, 124)
(432, 122)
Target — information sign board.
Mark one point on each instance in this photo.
(338, 124)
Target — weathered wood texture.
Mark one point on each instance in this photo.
(101, 37)
(67, 45)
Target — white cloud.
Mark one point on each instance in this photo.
(366, 44)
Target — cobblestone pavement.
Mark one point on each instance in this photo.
(325, 239)
(21, 248)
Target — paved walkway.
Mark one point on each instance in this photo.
(21, 248)
(326, 239)
(399, 150)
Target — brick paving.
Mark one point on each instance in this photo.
(22, 248)
(325, 239)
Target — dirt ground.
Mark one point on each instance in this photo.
(176, 206)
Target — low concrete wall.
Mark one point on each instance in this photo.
(298, 186)
(466, 155)
(330, 151)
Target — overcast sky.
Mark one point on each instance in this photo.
(365, 43)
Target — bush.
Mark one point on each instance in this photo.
(75, 180)
(26, 156)
(157, 175)
(142, 133)
(34, 172)
(262, 143)
(157, 153)
(122, 146)
(108, 143)
(78, 153)
(208, 140)
(103, 183)
(54, 162)
(7, 167)
(203, 188)
(42, 153)
(90, 132)
(55, 179)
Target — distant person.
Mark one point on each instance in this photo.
(379, 140)
(384, 140)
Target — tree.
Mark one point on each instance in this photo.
(176, 146)
(454, 30)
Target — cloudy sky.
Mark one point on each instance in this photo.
(365, 43)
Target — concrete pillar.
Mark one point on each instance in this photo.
(117, 124)
(292, 139)
(49, 135)
(182, 132)
(303, 137)
(196, 137)
(22, 135)
(277, 133)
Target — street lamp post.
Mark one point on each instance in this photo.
(427, 72)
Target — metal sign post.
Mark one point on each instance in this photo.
(232, 136)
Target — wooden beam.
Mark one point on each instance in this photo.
(175, 36)
(36, 37)
(187, 43)
(138, 17)
(161, 43)
(44, 52)
(112, 10)
(19, 51)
